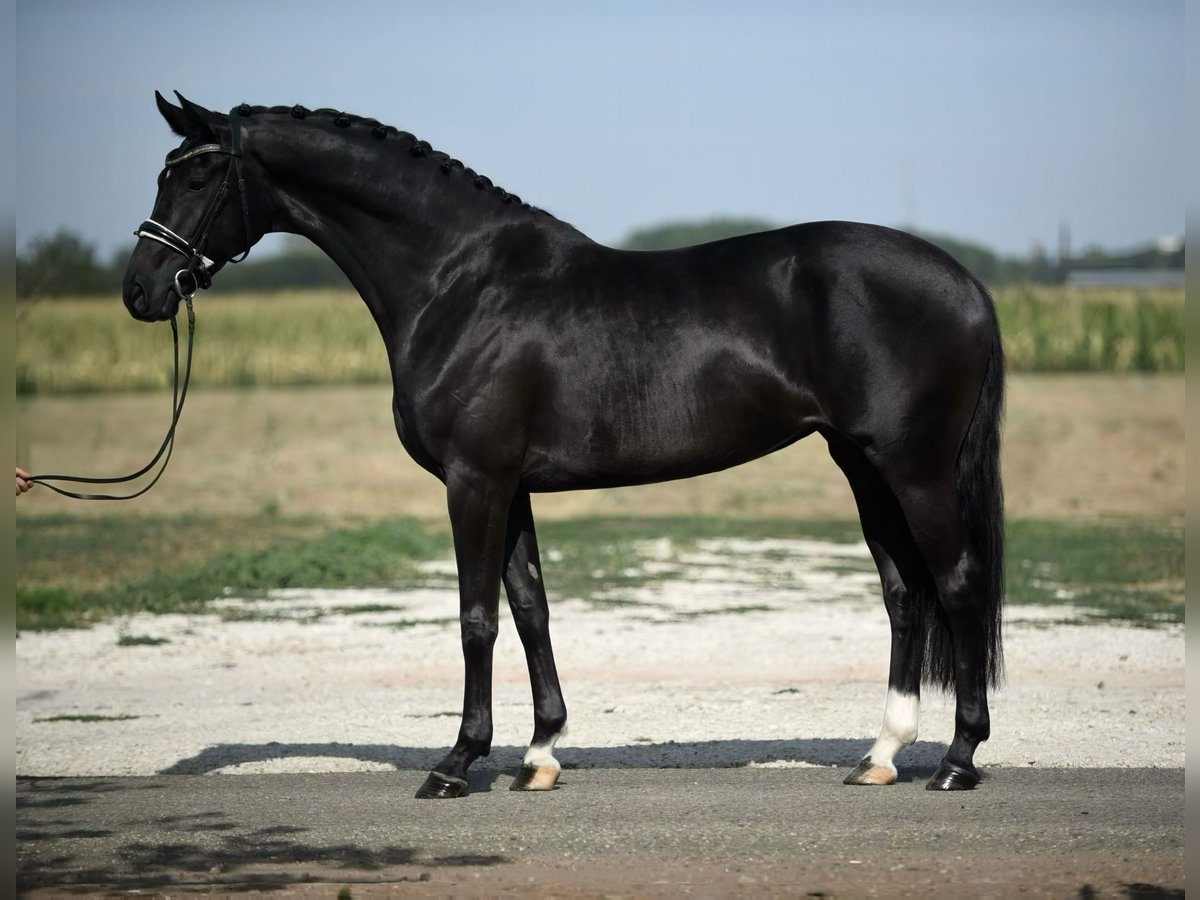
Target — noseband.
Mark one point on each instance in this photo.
(199, 268)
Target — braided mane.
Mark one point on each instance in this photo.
(413, 145)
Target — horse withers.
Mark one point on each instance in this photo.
(527, 358)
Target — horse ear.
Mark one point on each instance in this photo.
(188, 119)
(175, 116)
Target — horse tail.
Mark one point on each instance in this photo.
(981, 509)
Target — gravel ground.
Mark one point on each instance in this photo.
(760, 653)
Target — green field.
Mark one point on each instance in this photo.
(328, 337)
(1051, 329)
(73, 572)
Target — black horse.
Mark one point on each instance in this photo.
(525, 357)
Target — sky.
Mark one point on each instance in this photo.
(991, 121)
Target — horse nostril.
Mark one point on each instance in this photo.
(137, 300)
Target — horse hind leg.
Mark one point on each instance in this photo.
(527, 599)
(905, 582)
(901, 712)
(964, 652)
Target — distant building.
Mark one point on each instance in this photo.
(1158, 264)
(1098, 276)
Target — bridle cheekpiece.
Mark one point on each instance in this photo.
(199, 268)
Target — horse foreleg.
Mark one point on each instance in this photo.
(527, 599)
(478, 514)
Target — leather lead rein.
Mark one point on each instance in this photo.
(199, 268)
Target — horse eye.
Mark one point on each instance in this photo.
(196, 185)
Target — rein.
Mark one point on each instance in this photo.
(178, 395)
(199, 272)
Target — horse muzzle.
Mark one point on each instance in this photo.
(144, 306)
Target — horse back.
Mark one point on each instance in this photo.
(612, 367)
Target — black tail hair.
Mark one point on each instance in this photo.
(981, 505)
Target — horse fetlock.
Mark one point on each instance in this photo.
(540, 756)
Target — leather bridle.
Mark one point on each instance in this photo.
(199, 268)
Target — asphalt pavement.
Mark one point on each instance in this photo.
(608, 831)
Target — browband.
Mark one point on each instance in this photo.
(197, 151)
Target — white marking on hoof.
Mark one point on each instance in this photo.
(539, 768)
(901, 714)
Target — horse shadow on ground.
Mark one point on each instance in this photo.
(917, 762)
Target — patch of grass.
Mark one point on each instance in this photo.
(140, 640)
(724, 611)
(365, 608)
(1124, 570)
(83, 554)
(844, 566)
(413, 623)
(49, 607)
(91, 556)
(303, 616)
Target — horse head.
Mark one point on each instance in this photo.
(206, 213)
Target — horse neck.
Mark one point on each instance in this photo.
(388, 219)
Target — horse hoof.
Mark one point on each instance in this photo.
(442, 787)
(871, 773)
(950, 777)
(535, 778)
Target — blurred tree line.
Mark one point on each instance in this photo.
(63, 264)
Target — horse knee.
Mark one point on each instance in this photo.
(479, 631)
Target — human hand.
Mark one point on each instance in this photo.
(23, 482)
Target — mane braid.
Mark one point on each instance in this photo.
(418, 148)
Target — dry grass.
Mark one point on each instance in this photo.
(1075, 446)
